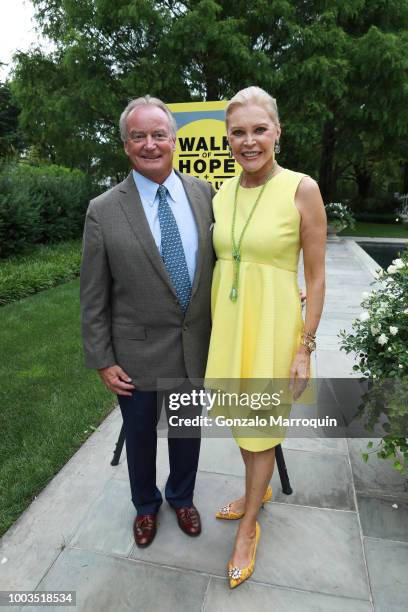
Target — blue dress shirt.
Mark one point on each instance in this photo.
(180, 206)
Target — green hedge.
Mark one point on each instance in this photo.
(45, 267)
(41, 205)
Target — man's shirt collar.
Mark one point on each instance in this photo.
(148, 189)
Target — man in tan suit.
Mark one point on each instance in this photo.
(145, 302)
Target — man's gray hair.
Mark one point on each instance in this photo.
(143, 101)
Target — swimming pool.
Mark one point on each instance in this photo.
(383, 252)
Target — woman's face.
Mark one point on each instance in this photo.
(252, 135)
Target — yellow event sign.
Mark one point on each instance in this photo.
(202, 146)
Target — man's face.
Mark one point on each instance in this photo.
(150, 144)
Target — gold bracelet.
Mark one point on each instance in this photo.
(309, 335)
(309, 344)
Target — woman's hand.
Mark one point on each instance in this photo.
(300, 372)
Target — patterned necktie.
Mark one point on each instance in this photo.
(172, 250)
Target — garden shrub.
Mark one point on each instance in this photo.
(379, 341)
(20, 220)
(41, 205)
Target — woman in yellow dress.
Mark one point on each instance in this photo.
(262, 220)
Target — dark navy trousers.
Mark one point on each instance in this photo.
(140, 418)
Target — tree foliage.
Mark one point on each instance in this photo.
(10, 139)
(339, 70)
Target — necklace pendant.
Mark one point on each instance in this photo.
(236, 255)
(234, 294)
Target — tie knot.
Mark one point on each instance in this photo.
(162, 192)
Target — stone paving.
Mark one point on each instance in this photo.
(336, 544)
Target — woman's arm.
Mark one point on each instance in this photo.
(313, 230)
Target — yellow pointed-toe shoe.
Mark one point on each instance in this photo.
(226, 513)
(238, 575)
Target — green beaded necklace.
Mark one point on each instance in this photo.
(236, 246)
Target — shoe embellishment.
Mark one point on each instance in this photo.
(226, 513)
(235, 573)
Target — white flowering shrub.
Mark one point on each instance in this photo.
(379, 340)
(402, 211)
(339, 215)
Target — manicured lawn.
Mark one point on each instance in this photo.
(43, 267)
(383, 230)
(49, 402)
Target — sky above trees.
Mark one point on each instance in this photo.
(17, 31)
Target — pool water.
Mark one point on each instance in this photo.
(383, 253)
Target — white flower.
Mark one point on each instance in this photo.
(379, 273)
(406, 311)
(365, 295)
(400, 366)
(393, 330)
(364, 316)
(382, 339)
(375, 330)
(392, 269)
(398, 263)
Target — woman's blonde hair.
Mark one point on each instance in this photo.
(253, 95)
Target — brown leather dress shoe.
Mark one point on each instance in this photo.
(144, 529)
(189, 520)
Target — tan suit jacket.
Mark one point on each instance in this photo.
(129, 309)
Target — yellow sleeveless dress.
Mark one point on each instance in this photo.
(257, 336)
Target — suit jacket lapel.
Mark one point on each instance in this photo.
(195, 199)
(132, 207)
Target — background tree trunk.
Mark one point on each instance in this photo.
(363, 180)
(327, 175)
(405, 178)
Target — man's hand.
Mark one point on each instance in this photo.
(300, 372)
(116, 380)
